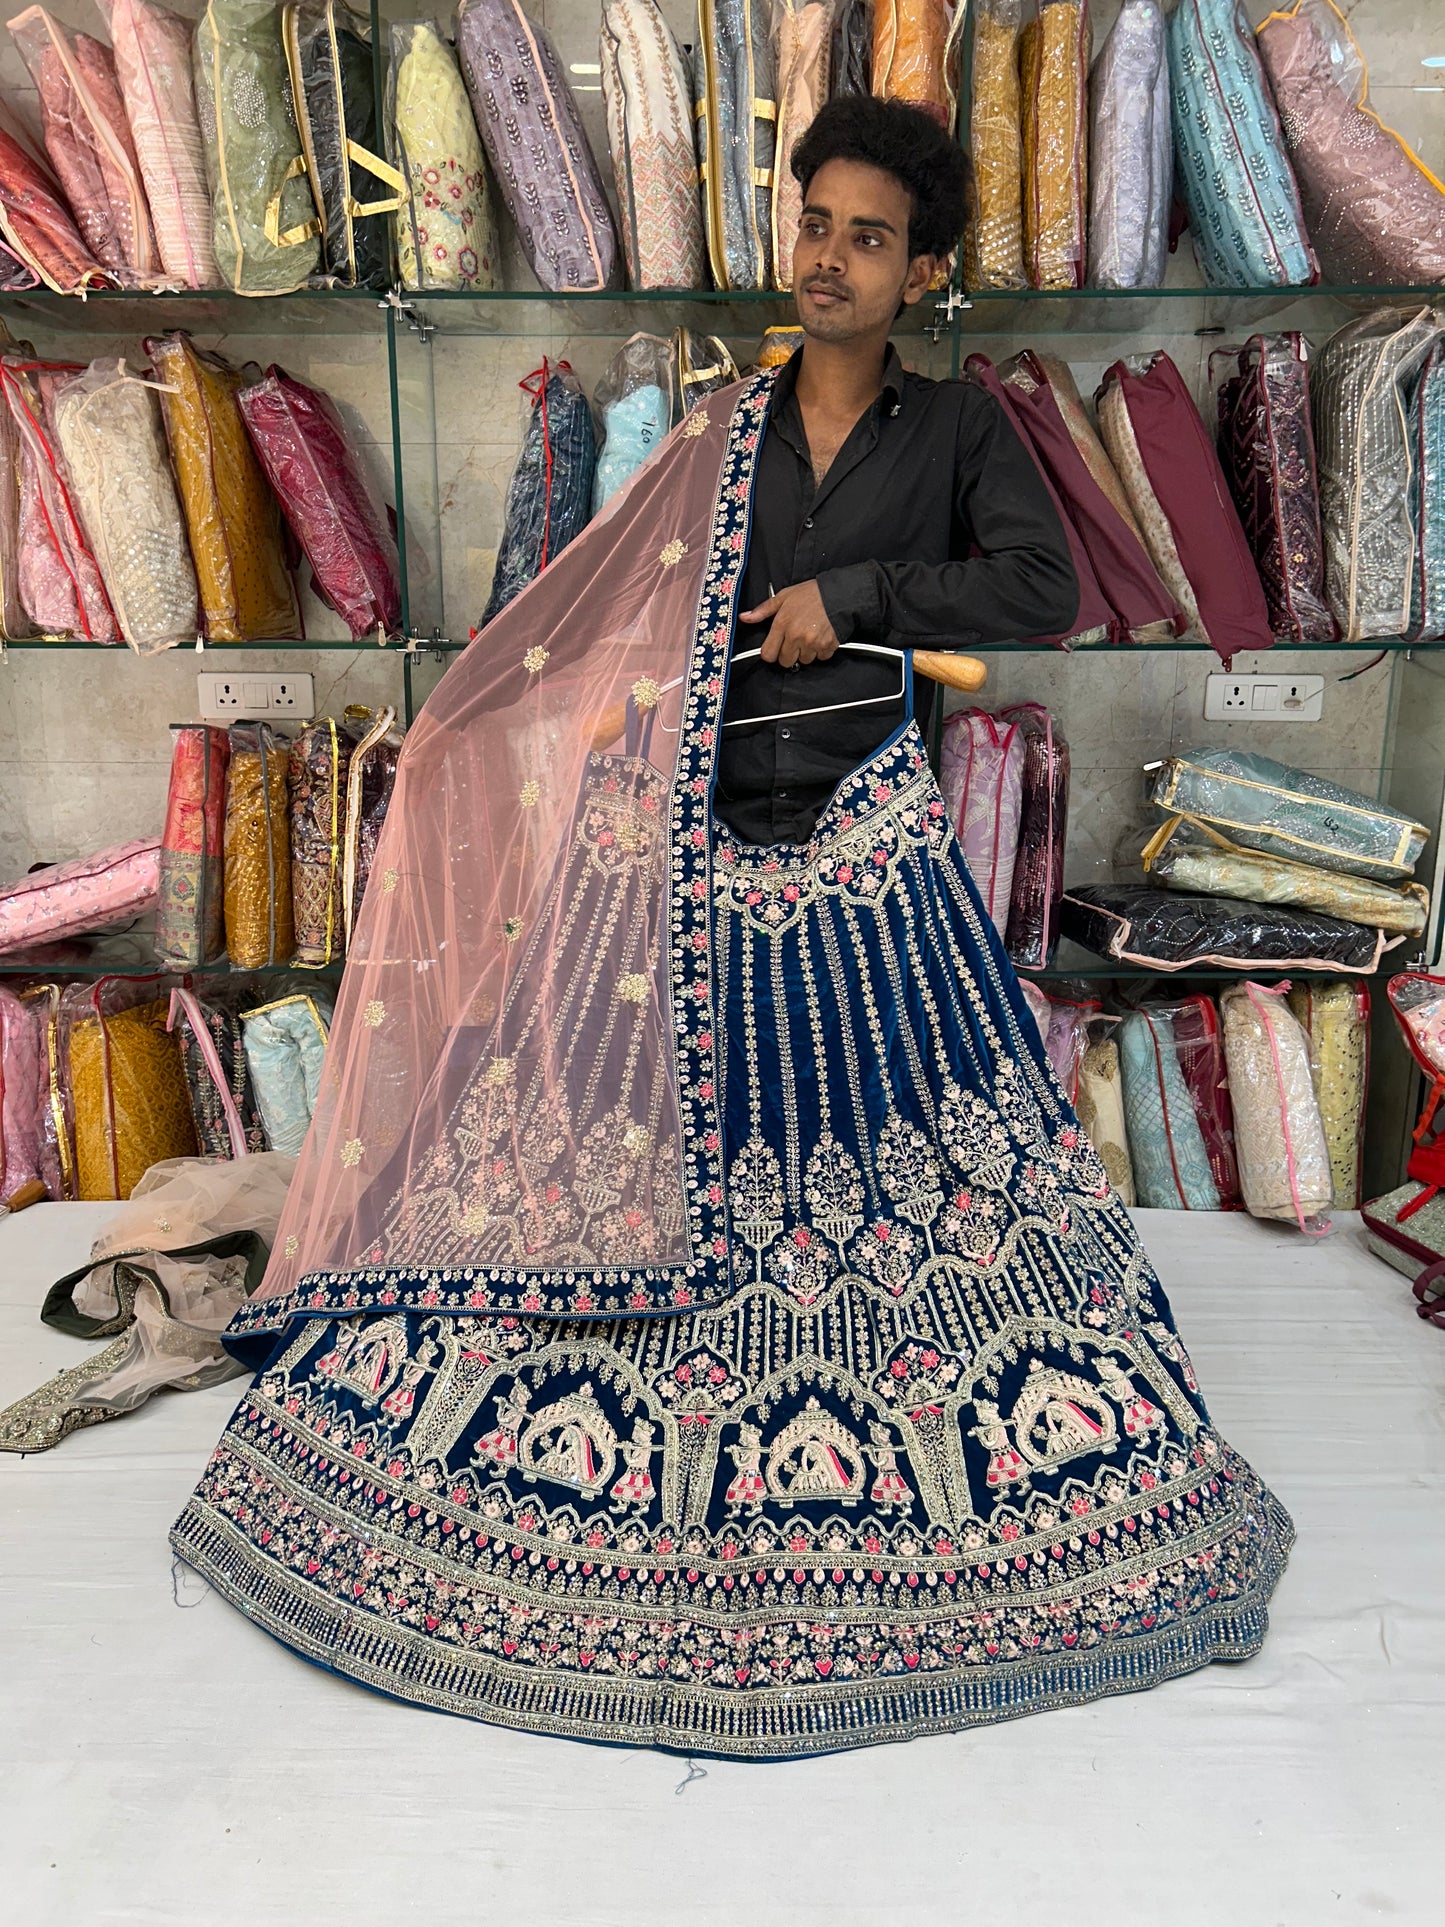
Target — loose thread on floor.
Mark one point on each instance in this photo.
(694, 1772)
(186, 1605)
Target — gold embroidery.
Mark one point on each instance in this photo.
(163, 1224)
(674, 552)
(534, 660)
(696, 423)
(531, 793)
(645, 692)
(637, 1141)
(293, 1245)
(499, 1072)
(351, 1153)
(375, 1014)
(512, 929)
(632, 989)
(388, 882)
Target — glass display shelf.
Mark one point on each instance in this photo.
(404, 649)
(131, 953)
(1186, 308)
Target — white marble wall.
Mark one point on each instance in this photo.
(83, 742)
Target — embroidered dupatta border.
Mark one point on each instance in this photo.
(638, 1290)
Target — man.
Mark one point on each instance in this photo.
(888, 508)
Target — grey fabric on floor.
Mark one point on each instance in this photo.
(166, 1766)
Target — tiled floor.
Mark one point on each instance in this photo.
(163, 1765)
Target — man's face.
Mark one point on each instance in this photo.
(850, 262)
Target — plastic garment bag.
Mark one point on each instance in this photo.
(803, 33)
(1267, 450)
(850, 68)
(333, 93)
(259, 926)
(1166, 1146)
(233, 521)
(634, 406)
(285, 1049)
(981, 775)
(1131, 152)
(445, 229)
(908, 42)
(1284, 1163)
(1054, 56)
(370, 780)
(104, 891)
(994, 244)
(109, 426)
(152, 49)
(1136, 925)
(35, 222)
(21, 1087)
(329, 498)
(737, 138)
(57, 577)
(1038, 878)
(88, 140)
(128, 1090)
(1335, 1018)
(223, 1105)
(549, 498)
(647, 91)
(190, 923)
(320, 758)
(1100, 1105)
(1427, 498)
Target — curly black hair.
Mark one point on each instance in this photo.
(908, 144)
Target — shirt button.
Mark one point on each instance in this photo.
(786, 735)
(807, 521)
(782, 793)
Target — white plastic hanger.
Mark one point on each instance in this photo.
(825, 709)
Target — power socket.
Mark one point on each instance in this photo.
(1264, 699)
(225, 699)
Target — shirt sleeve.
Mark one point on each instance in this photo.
(1021, 583)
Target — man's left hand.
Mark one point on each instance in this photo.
(800, 631)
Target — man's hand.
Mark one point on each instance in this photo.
(800, 631)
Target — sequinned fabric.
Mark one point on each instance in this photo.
(108, 423)
(190, 923)
(131, 1105)
(994, 243)
(1244, 208)
(1131, 152)
(737, 138)
(1335, 1019)
(445, 228)
(1284, 1163)
(647, 91)
(259, 926)
(1426, 430)
(1038, 878)
(1267, 451)
(319, 764)
(1374, 211)
(1166, 1147)
(543, 162)
(1054, 64)
(1362, 382)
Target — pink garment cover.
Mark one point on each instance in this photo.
(106, 891)
(1183, 472)
(1374, 211)
(35, 220)
(332, 506)
(153, 65)
(58, 577)
(981, 774)
(21, 1085)
(1096, 620)
(87, 138)
(1038, 879)
(1141, 605)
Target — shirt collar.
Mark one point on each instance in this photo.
(890, 391)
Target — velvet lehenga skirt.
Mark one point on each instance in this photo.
(939, 1460)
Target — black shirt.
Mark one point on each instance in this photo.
(932, 529)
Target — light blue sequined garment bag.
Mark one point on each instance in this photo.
(1166, 1145)
(285, 1049)
(1427, 499)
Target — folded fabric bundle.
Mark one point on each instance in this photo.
(233, 520)
(108, 422)
(285, 1050)
(446, 234)
(1360, 394)
(1287, 812)
(1284, 1164)
(1375, 212)
(549, 498)
(1215, 867)
(1100, 1106)
(1038, 878)
(14, 620)
(224, 1111)
(1426, 432)
(1065, 1037)
(634, 406)
(803, 45)
(647, 92)
(540, 154)
(88, 142)
(264, 223)
(1199, 1045)
(1166, 462)
(1054, 79)
(1087, 485)
(127, 1087)
(21, 1088)
(57, 576)
(370, 780)
(34, 220)
(328, 498)
(1406, 1227)
(163, 1281)
(1095, 619)
(1418, 1000)
(850, 68)
(908, 55)
(153, 65)
(994, 242)
(737, 130)
(190, 922)
(85, 897)
(1166, 1146)
(333, 93)
(1267, 452)
(1244, 207)
(1137, 925)
(981, 773)
(1335, 1019)
(259, 926)
(701, 366)
(1131, 152)
(316, 779)
(779, 344)
(55, 1111)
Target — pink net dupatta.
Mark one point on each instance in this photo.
(519, 1111)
